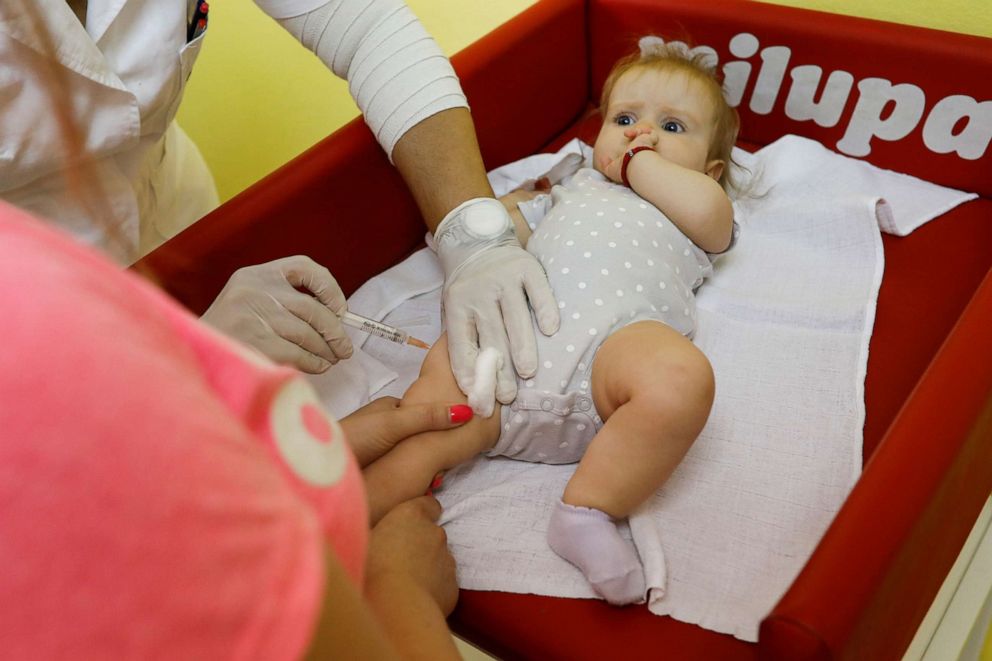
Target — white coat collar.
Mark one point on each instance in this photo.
(74, 47)
(100, 14)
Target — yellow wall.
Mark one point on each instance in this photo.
(257, 99)
(966, 16)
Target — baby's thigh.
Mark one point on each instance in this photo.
(650, 362)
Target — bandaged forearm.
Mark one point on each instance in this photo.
(396, 72)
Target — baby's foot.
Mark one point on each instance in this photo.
(589, 539)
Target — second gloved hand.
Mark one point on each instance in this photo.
(489, 279)
(263, 307)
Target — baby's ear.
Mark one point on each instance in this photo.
(714, 169)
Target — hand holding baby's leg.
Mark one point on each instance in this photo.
(654, 389)
(407, 470)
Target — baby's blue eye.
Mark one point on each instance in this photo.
(624, 120)
(672, 127)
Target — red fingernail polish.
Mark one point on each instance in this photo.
(460, 413)
(435, 483)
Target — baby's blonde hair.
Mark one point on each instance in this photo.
(698, 64)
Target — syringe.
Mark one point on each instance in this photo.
(379, 329)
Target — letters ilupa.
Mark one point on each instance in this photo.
(883, 110)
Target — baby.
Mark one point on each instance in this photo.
(620, 388)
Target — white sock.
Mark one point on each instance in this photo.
(589, 539)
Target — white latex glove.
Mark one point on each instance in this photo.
(488, 280)
(262, 307)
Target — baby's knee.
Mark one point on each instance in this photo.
(681, 380)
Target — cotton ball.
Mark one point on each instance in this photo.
(482, 394)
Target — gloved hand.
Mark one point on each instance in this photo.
(488, 280)
(262, 307)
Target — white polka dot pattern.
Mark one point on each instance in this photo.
(615, 263)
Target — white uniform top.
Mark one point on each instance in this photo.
(125, 71)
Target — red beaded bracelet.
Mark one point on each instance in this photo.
(626, 161)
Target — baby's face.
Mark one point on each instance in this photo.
(672, 105)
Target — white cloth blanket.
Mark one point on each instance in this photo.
(785, 321)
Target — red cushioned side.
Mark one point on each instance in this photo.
(341, 203)
(514, 626)
(871, 579)
(929, 277)
(942, 64)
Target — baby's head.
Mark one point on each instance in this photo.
(675, 93)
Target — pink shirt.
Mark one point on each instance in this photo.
(163, 492)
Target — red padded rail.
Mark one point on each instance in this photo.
(340, 203)
(905, 521)
(930, 276)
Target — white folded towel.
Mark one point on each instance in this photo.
(785, 321)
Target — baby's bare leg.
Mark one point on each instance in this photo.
(406, 471)
(654, 389)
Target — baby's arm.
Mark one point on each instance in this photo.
(693, 200)
(510, 201)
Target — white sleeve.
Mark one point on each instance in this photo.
(279, 9)
(396, 72)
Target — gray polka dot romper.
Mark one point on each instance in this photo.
(612, 259)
